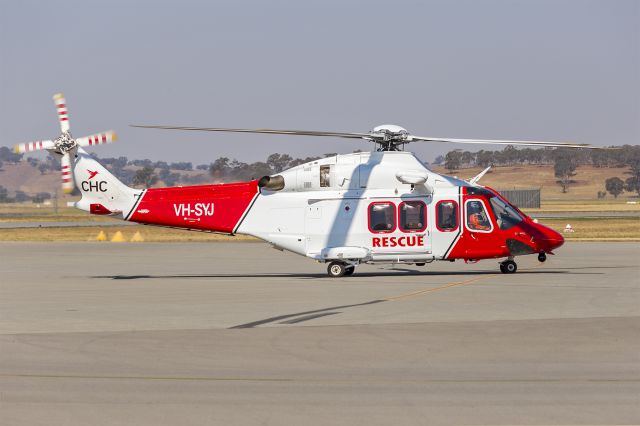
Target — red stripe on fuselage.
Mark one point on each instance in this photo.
(207, 207)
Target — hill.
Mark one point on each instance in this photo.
(585, 184)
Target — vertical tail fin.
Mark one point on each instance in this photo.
(102, 192)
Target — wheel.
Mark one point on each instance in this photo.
(542, 257)
(349, 270)
(336, 269)
(420, 264)
(508, 267)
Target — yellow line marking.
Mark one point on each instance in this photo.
(453, 284)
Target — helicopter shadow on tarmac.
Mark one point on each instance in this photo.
(389, 273)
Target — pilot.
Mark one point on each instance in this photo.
(477, 219)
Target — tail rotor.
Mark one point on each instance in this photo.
(65, 145)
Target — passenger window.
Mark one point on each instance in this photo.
(477, 217)
(382, 217)
(447, 215)
(412, 216)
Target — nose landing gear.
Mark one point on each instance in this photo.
(542, 257)
(508, 267)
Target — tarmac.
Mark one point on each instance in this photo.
(239, 333)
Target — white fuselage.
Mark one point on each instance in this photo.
(323, 211)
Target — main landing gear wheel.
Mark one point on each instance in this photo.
(338, 269)
(542, 257)
(508, 267)
(349, 270)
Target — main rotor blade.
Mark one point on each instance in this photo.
(267, 131)
(63, 113)
(67, 173)
(33, 146)
(97, 139)
(503, 142)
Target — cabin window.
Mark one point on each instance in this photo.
(447, 215)
(325, 176)
(477, 216)
(413, 216)
(506, 216)
(382, 217)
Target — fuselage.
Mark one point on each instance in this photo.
(362, 207)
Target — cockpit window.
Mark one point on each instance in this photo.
(506, 215)
(477, 217)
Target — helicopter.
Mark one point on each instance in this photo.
(382, 206)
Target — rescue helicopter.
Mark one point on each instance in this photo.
(383, 206)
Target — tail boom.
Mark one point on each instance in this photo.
(215, 208)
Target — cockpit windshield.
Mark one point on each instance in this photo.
(506, 215)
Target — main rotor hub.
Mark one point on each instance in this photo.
(64, 143)
(389, 136)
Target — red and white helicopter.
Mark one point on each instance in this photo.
(382, 206)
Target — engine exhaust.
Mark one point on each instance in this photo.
(272, 183)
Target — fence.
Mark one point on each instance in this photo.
(522, 197)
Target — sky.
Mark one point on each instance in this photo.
(554, 70)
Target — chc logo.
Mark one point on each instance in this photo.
(96, 186)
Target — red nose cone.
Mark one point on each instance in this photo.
(550, 239)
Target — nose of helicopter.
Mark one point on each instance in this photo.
(550, 239)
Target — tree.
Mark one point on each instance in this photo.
(439, 160)
(453, 160)
(220, 168)
(484, 158)
(468, 158)
(181, 166)
(21, 197)
(633, 160)
(145, 177)
(632, 184)
(142, 163)
(564, 167)
(615, 186)
(8, 155)
(279, 162)
(4, 195)
(41, 197)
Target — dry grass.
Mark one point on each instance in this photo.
(597, 229)
(585, 206)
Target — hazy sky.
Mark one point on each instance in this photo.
(546, 70)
